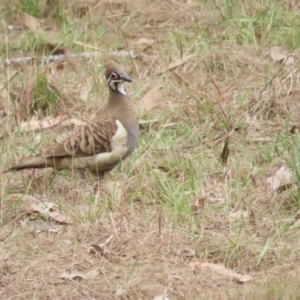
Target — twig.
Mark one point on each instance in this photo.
(220, 94)
(270, 81)
(54, 58)
(13, 76)
(220, 10)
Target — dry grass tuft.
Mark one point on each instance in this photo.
(185, 216)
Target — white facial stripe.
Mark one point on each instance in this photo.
(121, 89)
(117, 84)
(112, 84)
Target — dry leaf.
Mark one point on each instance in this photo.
(145, 42)
(294, 129)
(220, 269)
(176, 63)
(238, 215)
(282, 56)
(180, 79)
(127, 34)
(277, 54)
(225, 151)
(282, 178)
(54, 230)
(48, 122)
(49, 209)
(120, 291)
(289, 60)
(198, 203)
(147, 123)
(35, 124)
(80, 275)
(50, 230)
(100, 248)
(97, 249)
(59, 217)
(261, 139)
(147, 59)
(180, 61)
(30, 22)
(161, 297)
(151, 100)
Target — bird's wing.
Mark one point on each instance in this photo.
(91, 139)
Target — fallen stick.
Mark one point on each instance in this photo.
(61, 57)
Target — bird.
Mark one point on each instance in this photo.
(100, 144)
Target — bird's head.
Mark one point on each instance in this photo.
(116, 76)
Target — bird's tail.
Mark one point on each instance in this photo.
(31, 163)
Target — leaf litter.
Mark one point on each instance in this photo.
(30, 22)
(138, 243)
(279, 55)
(281, 180)
(150, 100)
(50, 210)
(177, 62)
(220, 269)
(88, 275)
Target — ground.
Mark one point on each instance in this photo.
(207, 207)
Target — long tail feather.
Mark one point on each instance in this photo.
(31, 163)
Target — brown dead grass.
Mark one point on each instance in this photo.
(156, 220)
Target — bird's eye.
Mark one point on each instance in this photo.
(114, 76)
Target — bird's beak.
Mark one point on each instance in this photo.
(126, 78)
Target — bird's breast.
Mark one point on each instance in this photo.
(132, 139)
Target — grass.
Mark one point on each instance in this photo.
(174, 202)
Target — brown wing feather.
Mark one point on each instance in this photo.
(90, 139)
